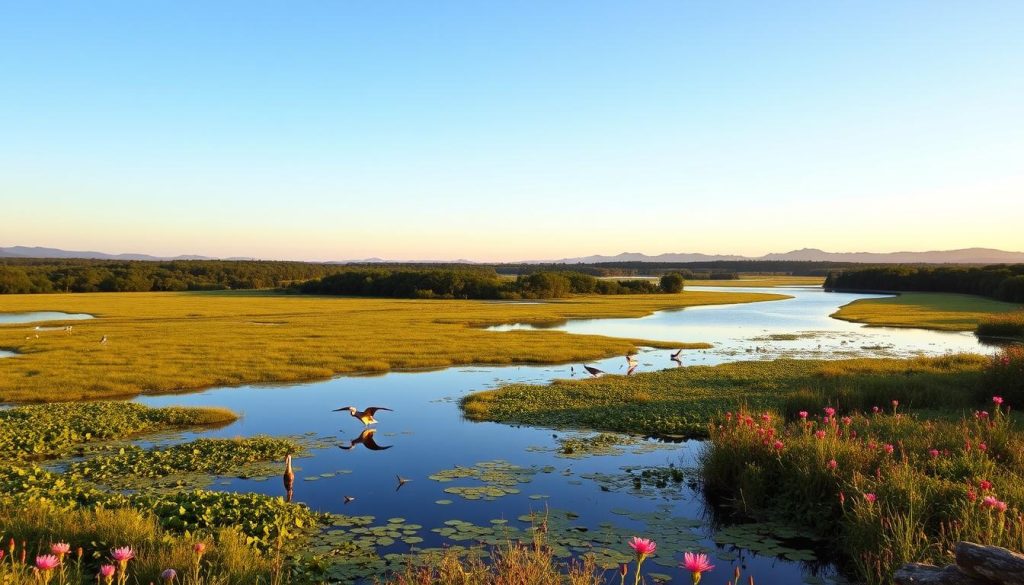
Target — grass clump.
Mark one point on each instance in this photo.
(512, 562)
(1005, 374)
(43, 431)
(680, 401)
(942, 311)
(884, 487)
(222, 558)
(160, 342)
(1005, 325)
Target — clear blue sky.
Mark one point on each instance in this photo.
(511, 130)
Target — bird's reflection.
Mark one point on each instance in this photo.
(288, 478)
(365, 439)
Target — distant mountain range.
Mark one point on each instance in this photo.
(962, 256)
(39, 252)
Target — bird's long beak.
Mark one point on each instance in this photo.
(341, 409)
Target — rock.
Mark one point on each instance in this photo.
(996, 563)
(922, 574)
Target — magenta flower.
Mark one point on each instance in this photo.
(875, 409)
(985, 485)
(696, 563)
(123, 554)
(870, 497)
(60, 549)
(778, 445)
(803, 414)
(643, 546)
(107, 572)
(933, 452)
(820, 434)
(832, 464)
(997, 400)
(830, 412)
(889, 448)
(989, 501)
(199, 548)
(895, 403)
(47, 562)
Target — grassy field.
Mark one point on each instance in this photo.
(682, 400)
(159, 342)
(943, 311)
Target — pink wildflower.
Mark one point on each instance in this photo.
(47, 562)
(870, 497)
(696, 563)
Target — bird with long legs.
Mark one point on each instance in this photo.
(288, 478)
(363, 416)
(675, 356)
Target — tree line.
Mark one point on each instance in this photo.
(19, 275)
(1004, 282)
(481, 283)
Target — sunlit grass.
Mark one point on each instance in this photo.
(943, 311)
(159, 342)
(681, 401)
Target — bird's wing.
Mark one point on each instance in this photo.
(374, 409)
(372, 445)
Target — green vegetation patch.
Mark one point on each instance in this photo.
(499, 478)
(42, 431)
(681, 401)
(942, 311)
(186, 464)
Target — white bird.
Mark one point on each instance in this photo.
(103, 339)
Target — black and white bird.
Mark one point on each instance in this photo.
(593, 371)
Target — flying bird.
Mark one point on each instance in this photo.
(364, 416)
(593, 371)
(401, 481)
(365, 439)
(103, 339)
(349, 499)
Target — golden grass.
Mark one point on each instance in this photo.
(943, 311)
(160, 342)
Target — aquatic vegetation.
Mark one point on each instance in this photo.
(499, 478)
(885, 488)
(162, 342)
(943, 311)
(680, 401)
(41, 431)
(1005, 325)
(185, 464)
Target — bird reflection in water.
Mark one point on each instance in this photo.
(367, 440)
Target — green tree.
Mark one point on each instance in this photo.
(671, 283)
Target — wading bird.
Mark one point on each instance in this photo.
(364, 416)
(365, 439)
(593, 371)
(631, 369)
(288, 477)
(676, 355)
(631, 361)
(103, 339)
(401, 481)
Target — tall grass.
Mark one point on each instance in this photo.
(943, 311)
(1005, 325)
(162, 342)
(885, 487)
(226, 560)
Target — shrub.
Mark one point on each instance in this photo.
(671, 283)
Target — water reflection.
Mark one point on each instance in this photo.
(367, 440)
(37, 316)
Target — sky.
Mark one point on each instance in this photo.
(510, 130)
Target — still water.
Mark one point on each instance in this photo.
(38, 317)
(426, 434)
